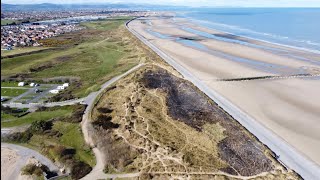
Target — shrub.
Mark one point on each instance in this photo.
(32, 169)
(105, 110)
(19, 137)
(63, 96)
(79, 169)
(77, 114)
(40, 126)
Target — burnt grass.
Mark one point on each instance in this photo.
(186, 103)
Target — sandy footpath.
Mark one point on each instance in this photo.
(9, 159)
(290, 107)
(15, 157)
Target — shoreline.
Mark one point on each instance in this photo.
(289, 104)
(198, 22)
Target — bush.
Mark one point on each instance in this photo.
(77, 113)
(13, 111)
(79, 169)
(19, 137)
(40, 126)
(104, 121)
(62, 96)
(32, 169)
(105, 110)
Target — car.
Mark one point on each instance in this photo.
(36, 85)
(37, 91)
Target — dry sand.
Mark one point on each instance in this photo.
(11, 163)
(288, 107)
(9, 159)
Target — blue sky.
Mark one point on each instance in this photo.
(243, 3)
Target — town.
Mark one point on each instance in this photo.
(29, 35)
(49, 25)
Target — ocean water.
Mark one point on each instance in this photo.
(298, 27)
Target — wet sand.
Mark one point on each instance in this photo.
(287, 106)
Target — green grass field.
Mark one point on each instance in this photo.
(7, 21)
(12, 92)
(94, 55)
(9, 84)
(19, 50)
(70, 134)
(36, 116)
(72, 137)
(5, 116)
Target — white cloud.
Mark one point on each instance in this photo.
(244, 3)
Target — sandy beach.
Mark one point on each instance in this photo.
(287, 105)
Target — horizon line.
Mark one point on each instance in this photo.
(149, 4)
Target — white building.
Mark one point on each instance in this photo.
(54, 91)
(21, 84)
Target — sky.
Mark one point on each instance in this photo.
(241, 3)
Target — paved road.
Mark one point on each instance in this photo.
(287, 154)
(35, 105)
(25, 154)
(97, 171)
(15, 88)
(31, 91)
(43, 94)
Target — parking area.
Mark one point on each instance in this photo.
(14, 92)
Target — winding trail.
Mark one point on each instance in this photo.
(25, 154)
(97, 171)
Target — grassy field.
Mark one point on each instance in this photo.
(36, 116)
(7, 21)
(12, 92)
(72, 137)
(98, 53)
(19, 50)
(9, 84)
(65, 132)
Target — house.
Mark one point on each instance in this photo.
(54, 91)
(9, 48)
(21, 84)
(60, 87)
(65, 84)
(32, 84)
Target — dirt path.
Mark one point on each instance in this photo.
(24, 154)
(97, 171)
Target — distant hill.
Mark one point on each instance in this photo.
(52, 7)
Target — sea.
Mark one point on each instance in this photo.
(294, 27)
